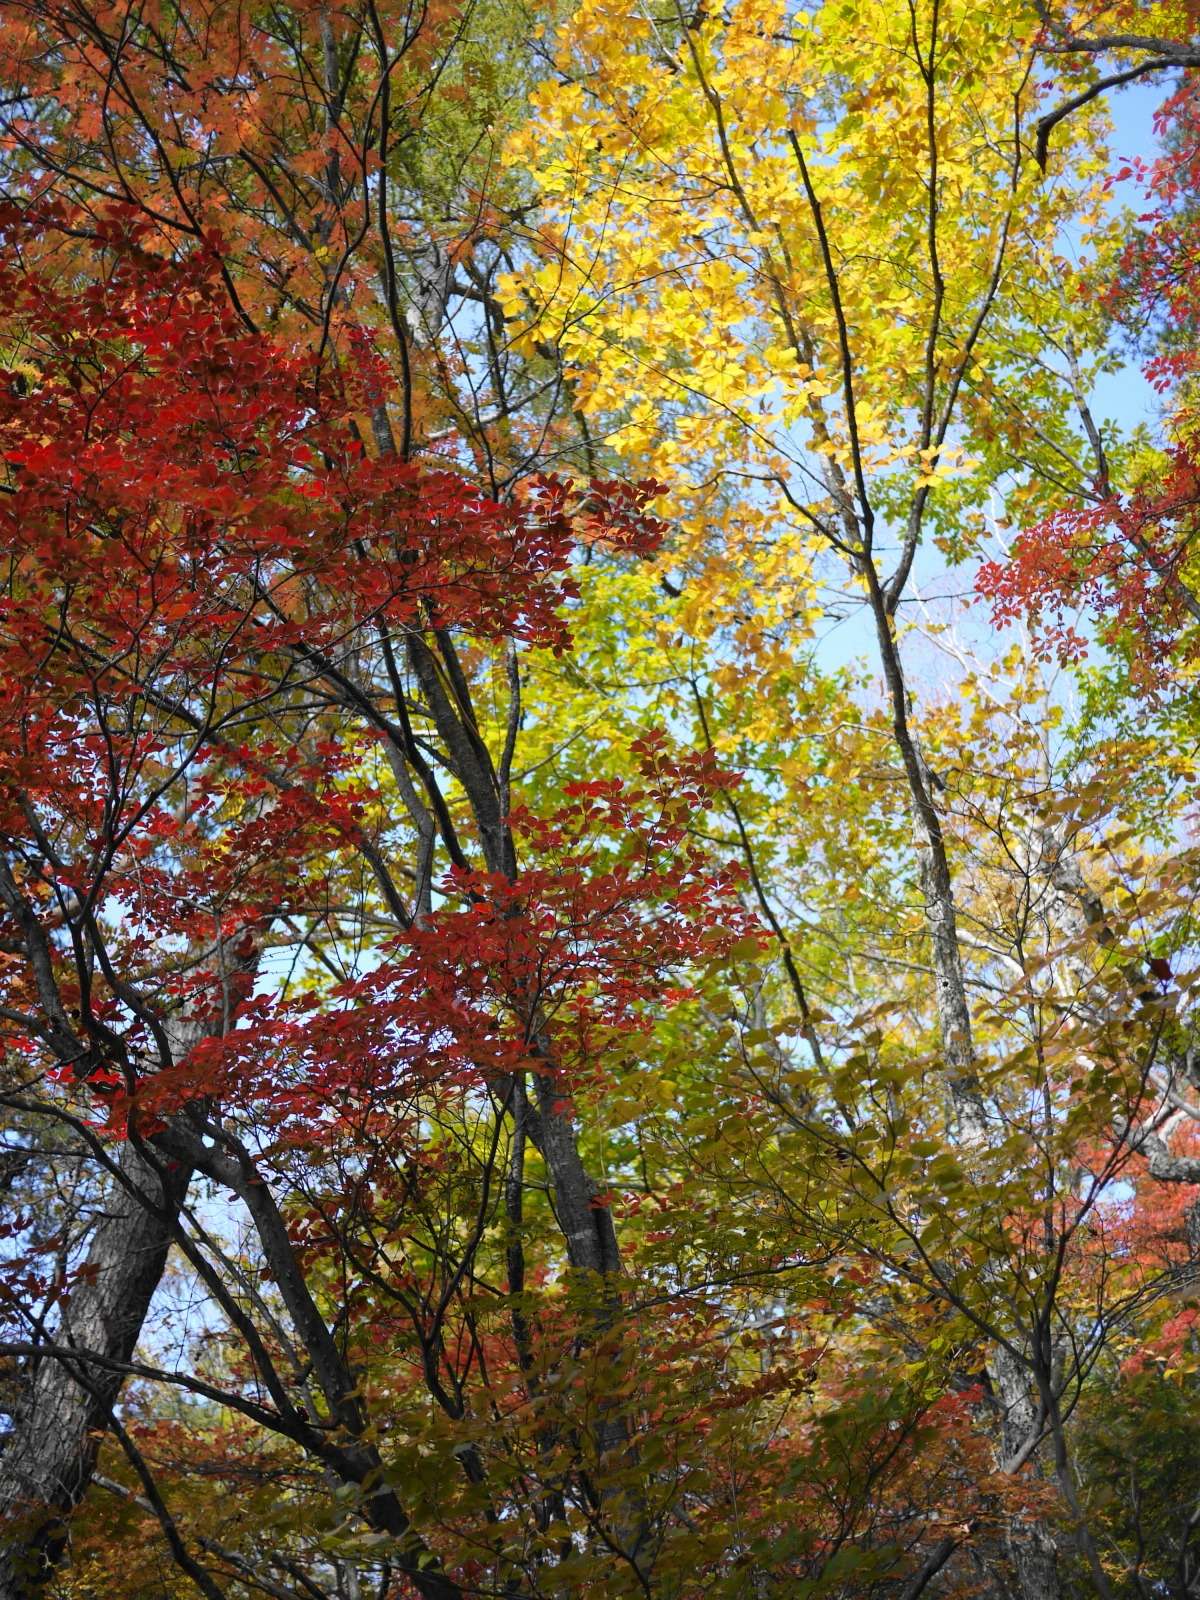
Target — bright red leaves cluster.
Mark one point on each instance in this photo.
(558, 970)
(196, 533)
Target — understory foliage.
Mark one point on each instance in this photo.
(597, 763)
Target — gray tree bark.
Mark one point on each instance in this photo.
(1030, 1546)
(48, 1459)
(1030, 1543)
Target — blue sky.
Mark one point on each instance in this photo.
(1126, 397)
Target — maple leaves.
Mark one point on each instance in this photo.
(219, 597)
(193, 522)
(556, 1207)
(205, 456)
(557, 970)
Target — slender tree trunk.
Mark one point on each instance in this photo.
(1031, 1546)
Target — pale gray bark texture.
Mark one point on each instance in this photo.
(1030, 1545)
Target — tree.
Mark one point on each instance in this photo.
(572, 1090)
(181, 785)
(866, 339)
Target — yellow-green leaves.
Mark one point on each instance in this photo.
(726, 200)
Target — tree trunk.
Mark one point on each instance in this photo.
(1030, 1546)
(48, 1459)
